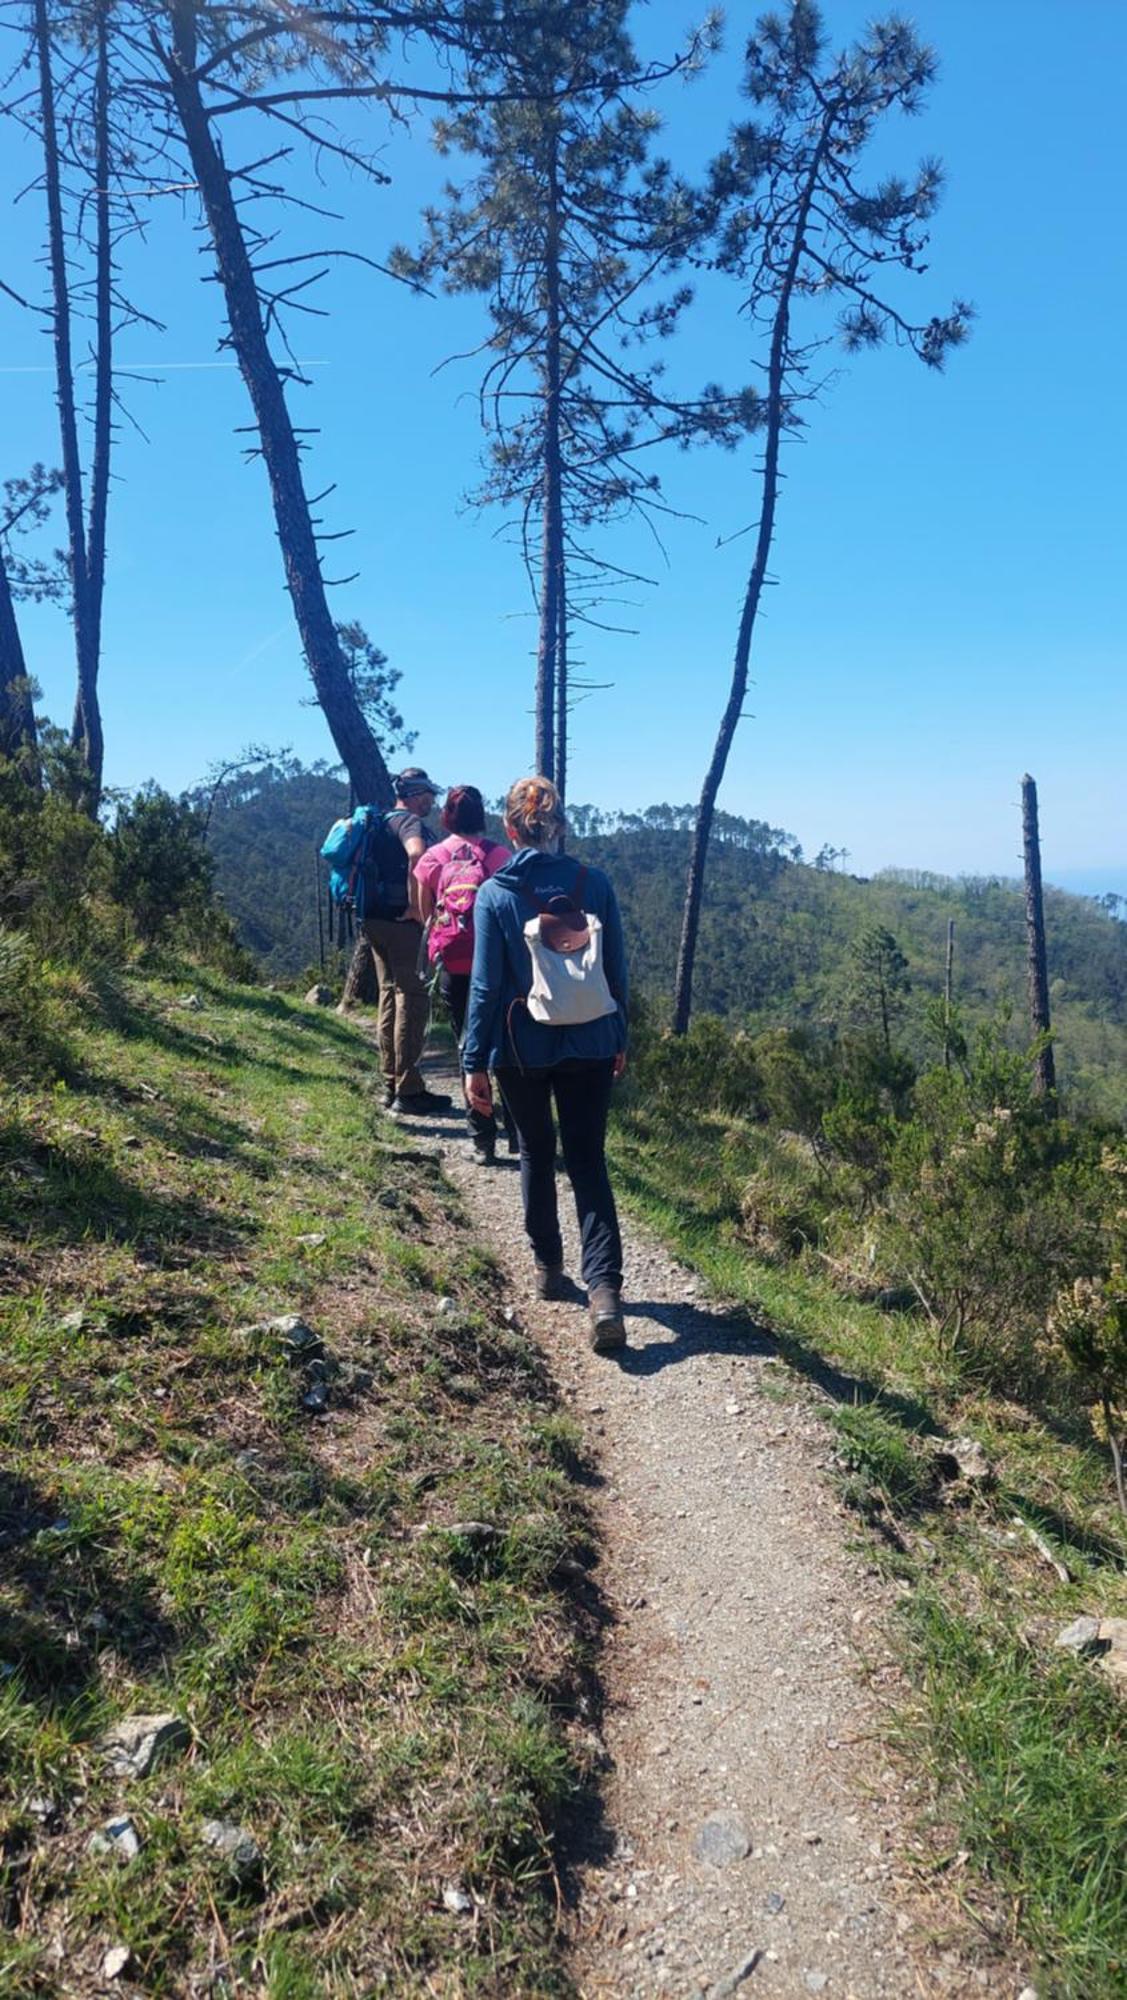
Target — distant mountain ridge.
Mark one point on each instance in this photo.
(776, 931)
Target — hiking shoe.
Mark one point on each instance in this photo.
(388, 1096)
(483, 1156)
(550, 1281)
(608, 1328)
(419, 1103)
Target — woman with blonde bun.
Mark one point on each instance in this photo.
(547, 1014)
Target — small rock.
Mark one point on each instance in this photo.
(115, 1961)
(41, 1808)
(234, 1845)
(316, 1399)
(1028, 1993)
(294, 1334)
(445, 1306)
(118, 1837)
(721, 1840)
(73, 1322)
(773, 1903)
(816, 1982)
(1082, 1636)
(313, 1241)
(192, 1002)
(725, 1987)
(962, 1458)
(732, 1408)
(456, 1900)
(319, 996)
(388, 1198)
(133, 1745)
(1113, 1647)
(479, 1532)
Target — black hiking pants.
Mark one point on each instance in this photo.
(580, 1092)
(455, 990)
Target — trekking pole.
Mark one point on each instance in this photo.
(320, 913)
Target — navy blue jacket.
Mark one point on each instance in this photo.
(501, 1036)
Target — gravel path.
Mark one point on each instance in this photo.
(757, 1831)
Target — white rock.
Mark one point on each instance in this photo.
(132, 1746)
(456, 1900)
(118, 1837)
(115, 1961)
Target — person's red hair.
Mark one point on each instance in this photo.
(464, 811)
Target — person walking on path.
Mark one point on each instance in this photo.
(447, 879)
(393, 928)
(547, 1013)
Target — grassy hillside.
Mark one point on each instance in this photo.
(252, 1528)
(776, 935)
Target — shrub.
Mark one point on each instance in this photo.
(160, 868)
(1088, 1324)
(991, 1206)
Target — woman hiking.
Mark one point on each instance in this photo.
(547, 1013)
(447, 879)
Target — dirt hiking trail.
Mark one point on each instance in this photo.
(757, 1831)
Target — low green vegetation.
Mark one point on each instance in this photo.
(783, 944)
(347, 1560)
(941, 1260)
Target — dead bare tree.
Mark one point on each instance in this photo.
(798, 229)
(1044, 1066)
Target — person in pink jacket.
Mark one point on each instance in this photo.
(447, 879)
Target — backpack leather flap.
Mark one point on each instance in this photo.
(563, 927)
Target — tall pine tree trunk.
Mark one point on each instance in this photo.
(86, 732)
(561, 690)
(776, 415)
(551, 561)
(1044, 1068)
(354, 739)
(85, 633)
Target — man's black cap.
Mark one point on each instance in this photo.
(409, 782)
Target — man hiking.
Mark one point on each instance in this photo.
(393, 928)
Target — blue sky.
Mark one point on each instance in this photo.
(950, 610)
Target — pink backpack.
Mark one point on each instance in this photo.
(455, 892)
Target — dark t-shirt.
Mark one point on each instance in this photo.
(409, 826)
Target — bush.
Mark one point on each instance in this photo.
(1087, 1325)
(991, 1204)
(160, 868)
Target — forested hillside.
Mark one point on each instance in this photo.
(780, 937)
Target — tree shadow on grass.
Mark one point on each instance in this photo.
(61, 1196)
(64, 1599)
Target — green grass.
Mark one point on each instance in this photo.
(386, 1710)
(1025, 1750)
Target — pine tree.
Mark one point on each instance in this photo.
(565, 224)
(801, 231)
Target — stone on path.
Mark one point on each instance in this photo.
(725, 1987)
(722, 1839)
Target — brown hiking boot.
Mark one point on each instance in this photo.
(550, 1281)
(608, 1328)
